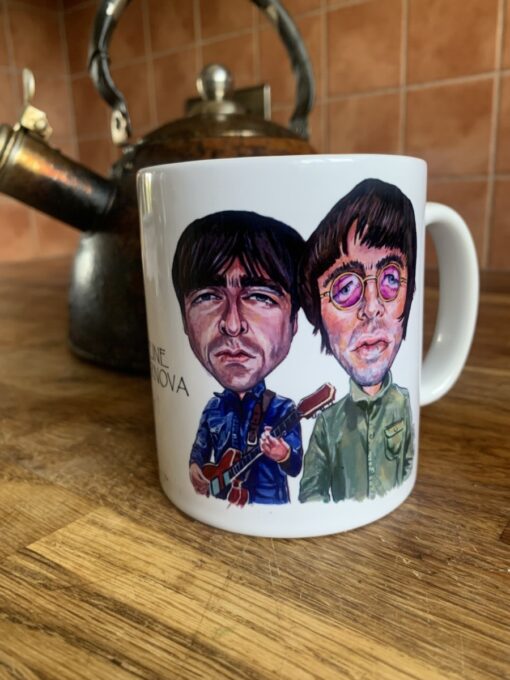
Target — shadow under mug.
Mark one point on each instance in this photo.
(285, 311)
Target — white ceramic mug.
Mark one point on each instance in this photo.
(285, 309)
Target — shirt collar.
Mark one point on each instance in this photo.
(256, 392)
(359, 396)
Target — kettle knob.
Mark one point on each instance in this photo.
(215, 86)
(215, 83)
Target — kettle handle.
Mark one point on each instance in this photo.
(106, 19)
(300, 61)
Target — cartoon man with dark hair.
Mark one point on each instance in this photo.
(358, 278)
(235, 276)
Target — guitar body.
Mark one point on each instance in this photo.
(220, 483)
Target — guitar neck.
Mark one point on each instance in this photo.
(286, 424)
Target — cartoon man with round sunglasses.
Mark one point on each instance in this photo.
(358, 278)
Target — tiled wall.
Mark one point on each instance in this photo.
(425, 77)
(32, 34)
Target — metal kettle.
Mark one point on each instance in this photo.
(107, 322)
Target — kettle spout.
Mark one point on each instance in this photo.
(39, 175)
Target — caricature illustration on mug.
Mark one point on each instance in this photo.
(358, 286)
(235, 276)
(240, 278)
(285, 304)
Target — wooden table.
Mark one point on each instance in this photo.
(101, 577)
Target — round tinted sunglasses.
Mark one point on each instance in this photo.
(347, 289)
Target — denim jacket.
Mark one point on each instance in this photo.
(224, 424)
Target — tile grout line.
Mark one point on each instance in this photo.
(256, 47)
(493, 141)
(80, 5)
(455, 80)
(324, 76)
(30, 7)
(205, 42)
(9, 42)
(346, 3)
(396, 89)
(458, 80)
(403, 76)
(12, 61)
(67, 66)
(198, 42)
(473, 177)
(187, 47)
(151, 82)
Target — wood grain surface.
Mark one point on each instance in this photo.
(102, 578)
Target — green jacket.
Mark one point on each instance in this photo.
(360, 447)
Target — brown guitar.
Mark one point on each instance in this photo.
(225, 477)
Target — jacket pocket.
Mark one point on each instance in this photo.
(394, 436)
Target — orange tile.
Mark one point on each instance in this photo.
(171, 24)
(98, 155)
(174, 77)
(275, 66)
(128, 40)
(450, 39)
(18, 240)
(503, 144)
(364, 46)
(36, 39)
(92, 115)
(4, 54)
(78, 26)
(70, 4)
(282, 115)
(39, 4)
(469, 199)
(367, 124)
(53, 237)
(10, 103)
(53, 96)
(236, 54)
(224, 16)
(499, 256)
(132, 81)
(139, 132)
(449, 126)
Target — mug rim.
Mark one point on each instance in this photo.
(297, 158)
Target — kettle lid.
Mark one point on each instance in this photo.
(220, 111)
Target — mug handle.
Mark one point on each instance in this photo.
(458, 301)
